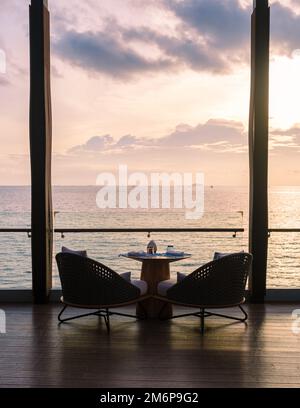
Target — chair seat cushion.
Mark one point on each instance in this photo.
(181, 276)
(71, 251)
(219, 255)
(163, 286)
(126, 276)
(141, 285)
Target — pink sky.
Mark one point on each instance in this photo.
(157, 85)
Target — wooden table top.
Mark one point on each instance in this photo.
(156, 257)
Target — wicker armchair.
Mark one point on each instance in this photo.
(217, 284)
(90, 285)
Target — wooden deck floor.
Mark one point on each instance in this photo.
(36, 352)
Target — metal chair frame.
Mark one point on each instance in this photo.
(88, 284)
(218, 284)
(101, 312)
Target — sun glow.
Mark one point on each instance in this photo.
(285, 90)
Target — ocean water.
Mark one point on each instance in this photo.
(75, 207)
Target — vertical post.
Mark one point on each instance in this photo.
(258, 148)
(40, 151)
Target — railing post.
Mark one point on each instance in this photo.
(40, 150)
(258, 148)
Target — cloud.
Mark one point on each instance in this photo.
(213, 131)
(55, 72)
(205, 35)
(105, 53)
(293, 131)
(285, 143)
(184, 50)
(285, 29)
(215, 135)
(4, 82)
(128, 141)
(94, 144)
(287, 140)
(187, 148)
(223, 23)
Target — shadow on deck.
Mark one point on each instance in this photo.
(36, 352)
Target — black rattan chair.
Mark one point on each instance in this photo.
(216, 285)
(88, 284)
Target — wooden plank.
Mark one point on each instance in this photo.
(36, 352)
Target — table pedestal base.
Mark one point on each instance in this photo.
(154, 272)
(153, 308)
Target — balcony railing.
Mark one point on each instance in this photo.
(283, 262)
(63, 231)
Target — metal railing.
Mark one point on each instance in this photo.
(271, 230)
(232, 234)
(147, 230)
(63, 231)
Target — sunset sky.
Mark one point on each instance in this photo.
(158, 85)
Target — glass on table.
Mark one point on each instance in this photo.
(170, 249)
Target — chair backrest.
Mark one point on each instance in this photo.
(87, 282)
(218, 283)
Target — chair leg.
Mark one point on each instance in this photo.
(203, 313)
(202, 318)
(124, 315)
(244, 313)
(98, 313)
(60, 314)
(107, 320)
(239, 319)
